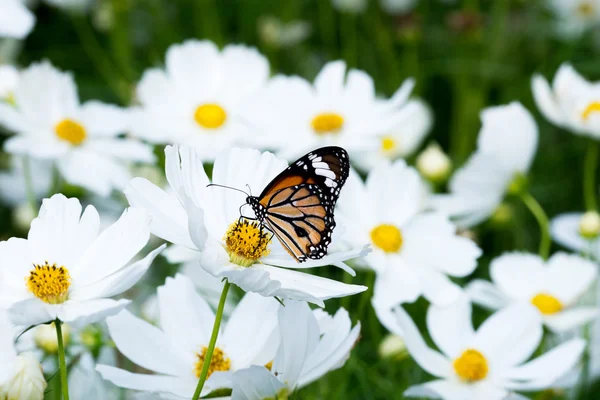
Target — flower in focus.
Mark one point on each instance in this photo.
(414, 120)
(553, 287)
(198, 99)
(9, 79)
(15, 19)
(67, 270)
(575, 16)
(82, 139)
(207, 219)
(176, 350)
(572, 102)
(276, 33)
(433, 164)
(505, 149)
(488, 363)
(339, 108)
(308, 349)
(414, 251)
(577, 231)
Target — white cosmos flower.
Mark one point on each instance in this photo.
(553, 287)
(566, 229)
(15, 19)
(81, 267)
(9, 79)
(86, 383)
(575, 16)
(413, 251)
(339, 108)
(199, 97)
(201, 218)
(81, 138)
(487, 363)
(310, 345)
(505, 150)
(175, 351)
(572, 102)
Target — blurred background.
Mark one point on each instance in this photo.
(465, 55)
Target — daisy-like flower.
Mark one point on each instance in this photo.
(553, 287)
(175, 351)
(505, 150)
(67, 270)
(339, 108)
(572, 102)
(413, 251)
(310, 345)
(9, 79)
(15, 19)
(198, 99)
(82, 139)
(414, 121)
(578, 231)
(207, 219)
(575, 16)
(488, 363)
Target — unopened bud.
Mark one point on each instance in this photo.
(502, 215)
(22, 216)
(45, 337)
(434, 164)
(392, 346)
(27, 381)
(589, 225)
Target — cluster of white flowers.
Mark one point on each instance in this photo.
(225, 122)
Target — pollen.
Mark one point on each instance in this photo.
(586, 9)
(219, 362)
(471, 366)
(388, 143)
(49, 283)
(547, 304)
(70, 131)
(387, 238)
(327, 122)
(246, 242)
(210, 116)
(591, 108)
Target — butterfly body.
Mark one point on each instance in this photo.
(298, 205)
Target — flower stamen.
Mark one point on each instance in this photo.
(218, 362)
(327, 122)
(471, 366)
(246, 242)
(592, 108)
(547, 304)
(210, 116)
(49, 283)
(388, 143)
(387, 238)
(70, 131)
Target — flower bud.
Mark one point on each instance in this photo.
(518, 185)
(589, 225)
(92, 338)
(22, 216)
(45, 337)
(27, 381)
(434, 164)
(502, 215)
(392, 346)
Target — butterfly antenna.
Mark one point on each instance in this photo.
(227, 187)
(249, 190)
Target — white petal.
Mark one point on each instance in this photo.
(450, 327)
(91, 311)
(518, 275)
(544, 98)
(330, 80)
(442, 389)
(569, 276)
(15, 19)
(437, 287)
(255, 383)
(565, 231)
(123, 149)
(397, 284)
(7, 349)
(103, 119)
(486, 294)
(571, 318)
(95, 172)
(30, 312)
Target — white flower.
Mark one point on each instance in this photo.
(13, 186)
(553, 287)
(413, 251)
(308, 349)
(434, 164)
(505, 149)
(575, 16)
(566, 230)
(199, 97)
(15, 19)
(572, 102)
(86, 383)
(9, 79)
(413, 122)
(51, 124)
(338, 108)
(274, 32)
(67, 270)
(487, 363)
(176, 350)
(202, 218)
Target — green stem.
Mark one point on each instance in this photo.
(542, 219)
(64, 384)
(213, 341)
(31, 197)
(589, 176)
(349, 39)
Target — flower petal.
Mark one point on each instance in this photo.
(545, 100)
(518, 275)
(450, 327)
(88, 312)
(569, 276)
(571, 318)
(255, 383)
(486, 294)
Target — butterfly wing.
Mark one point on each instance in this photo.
(299, 203)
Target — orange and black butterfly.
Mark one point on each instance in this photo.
(297, 206)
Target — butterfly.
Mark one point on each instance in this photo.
(297, 206)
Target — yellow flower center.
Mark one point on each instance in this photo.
(210, 116)
(269, 365)
(218, 362)
(70, 131)
(246, 242)
(546, 303)
(593, 107)
(387, 237)
(585, 9)
(49, 283)
(388, 144)
(471, 366)
(327, 122)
